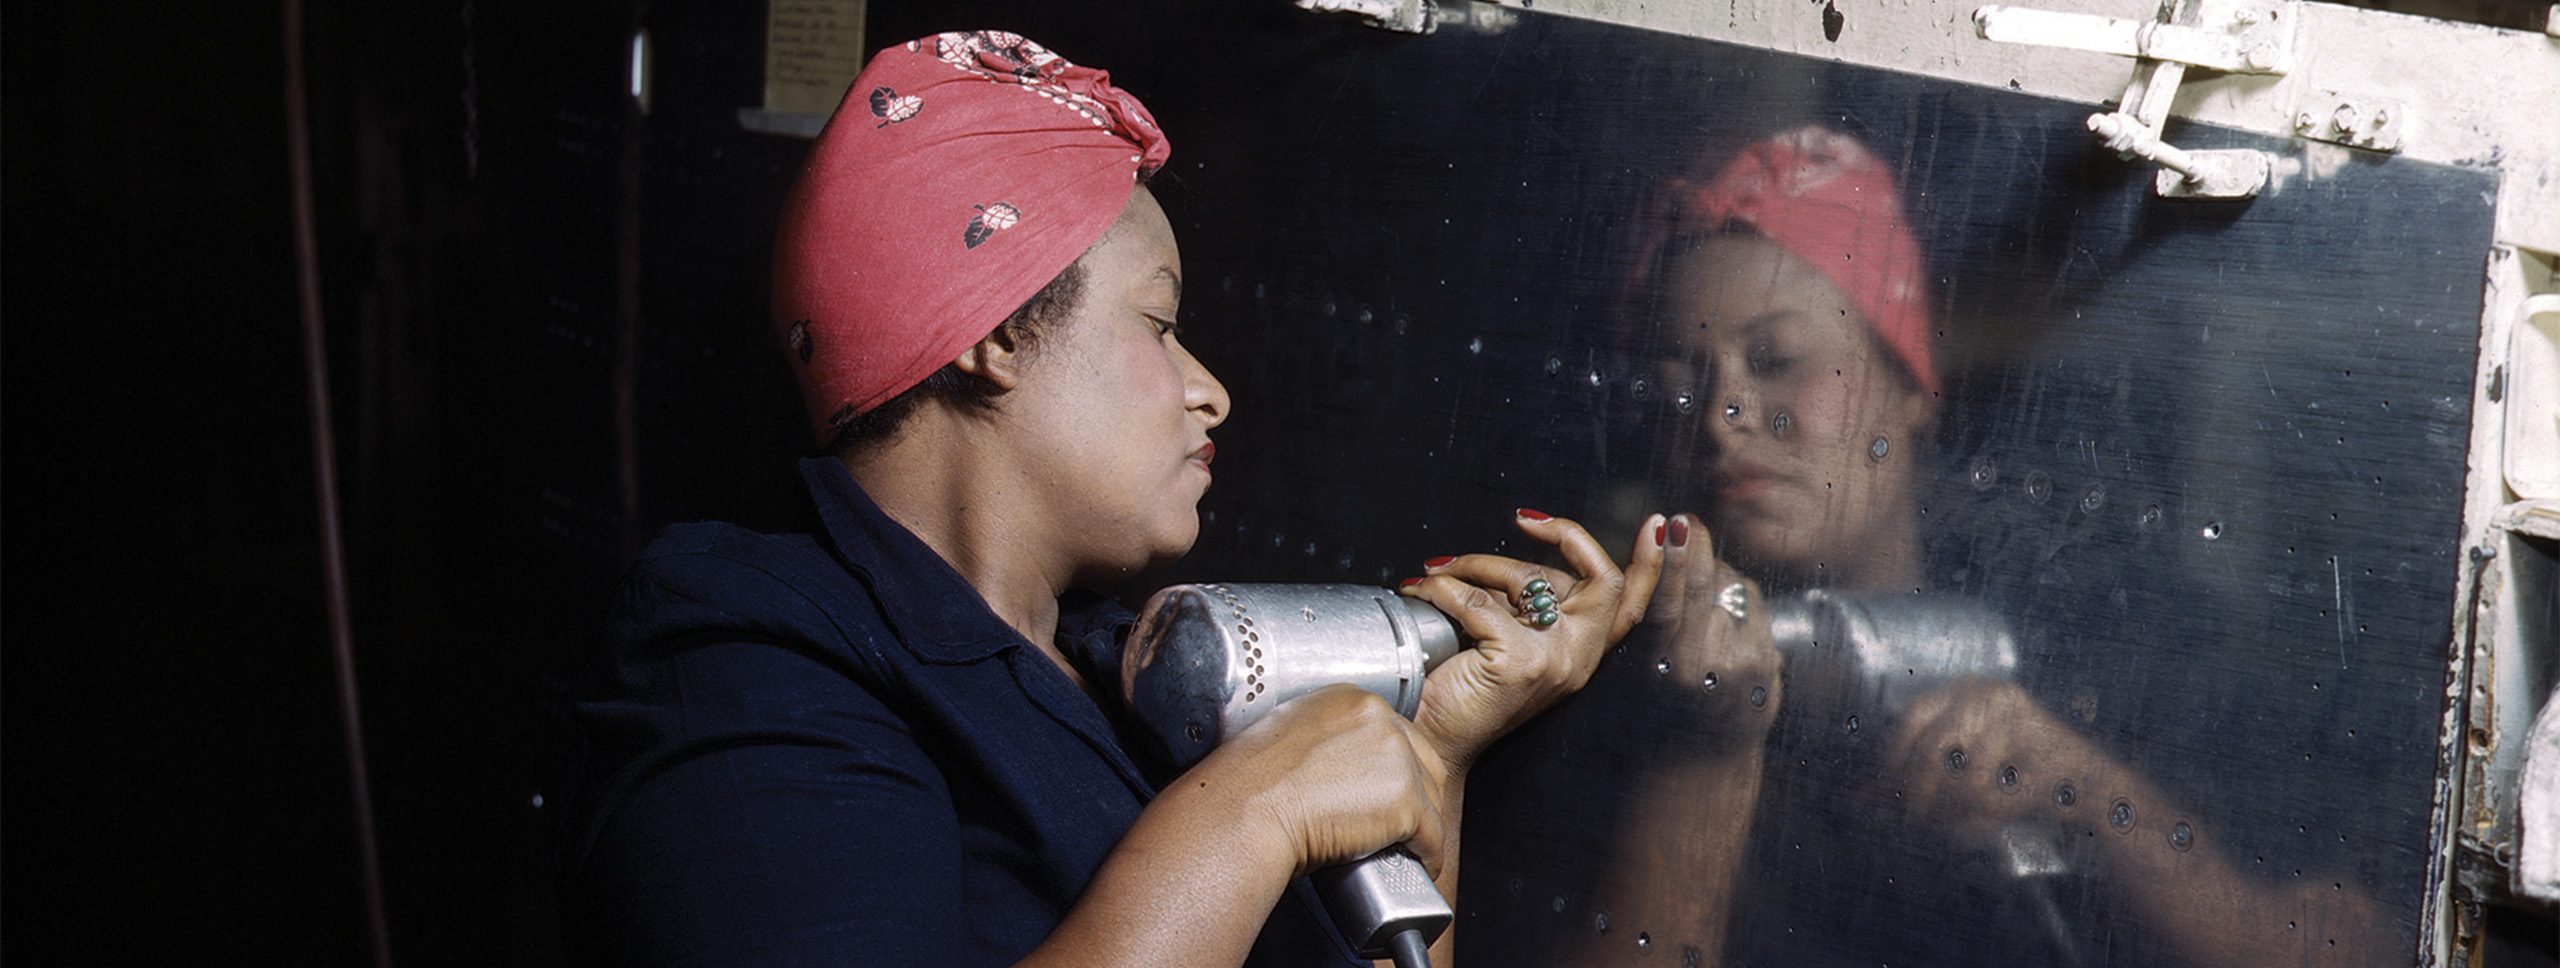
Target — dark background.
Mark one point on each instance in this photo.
(547, 338)
(174, 779)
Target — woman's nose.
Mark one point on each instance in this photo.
(1202, 393)
(1732, 413)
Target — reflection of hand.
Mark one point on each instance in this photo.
(1982, 753)
(1713, 630)
(1518, 668)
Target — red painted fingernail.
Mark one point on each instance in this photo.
(1680, 532)
(1534, 514)
(1659, 531)
(1409, 582)
(1439, 562)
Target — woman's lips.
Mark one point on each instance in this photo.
(1745, 482)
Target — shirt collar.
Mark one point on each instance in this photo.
(935, 612)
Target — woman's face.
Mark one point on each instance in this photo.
(1115, 413)
(1793, 393)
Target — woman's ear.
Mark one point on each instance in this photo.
(996, 358)
(1918, 411)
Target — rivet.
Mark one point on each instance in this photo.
(1759, 696)
(2150, 518)
(1685, 402)
(2008, 778)
(2212, 531)
(1662, 667)
(2181, 837)
(1644, 939)
(1600, 922)
(2120, 815)
(1955, 759)
(1853, 725)
(1475, 344)
(1876, 450)
(1710, 681)
(2039, 487)
(1554, 366)
(2093, 499)
(1985, 474)
(1364, 316)
(2065, 795)
(1557, 905)
(1781, 422)
(1732, 411)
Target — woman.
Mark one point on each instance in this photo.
(892, 739)
(1791, 294)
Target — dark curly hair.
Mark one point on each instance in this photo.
(1022, 331)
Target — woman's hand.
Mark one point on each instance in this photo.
(1519, 667)
(1712, 630)
(1981, 754)
(1332, 776)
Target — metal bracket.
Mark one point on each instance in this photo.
(1401, 16)
(2234, 37)
(2357, 122)
(2254, 39)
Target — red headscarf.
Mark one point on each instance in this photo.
(962, 172)
(1827, 200)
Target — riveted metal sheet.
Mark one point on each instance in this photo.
(2204, 462)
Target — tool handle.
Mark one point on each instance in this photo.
(1377, 897)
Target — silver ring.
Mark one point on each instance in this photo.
(1538, 603)
(1735, 602)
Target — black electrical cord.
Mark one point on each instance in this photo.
(1409, 950)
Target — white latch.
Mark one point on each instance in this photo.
(2233, 36)
(1401, 16)
(2244, 40)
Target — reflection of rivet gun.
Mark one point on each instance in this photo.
(1208, 660)
(1853, 656)
(1875, 654)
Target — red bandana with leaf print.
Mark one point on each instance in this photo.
(961, 173)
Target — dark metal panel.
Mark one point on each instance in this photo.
(2203, 460)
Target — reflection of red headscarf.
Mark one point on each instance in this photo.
(962, 173)
(1825, 199)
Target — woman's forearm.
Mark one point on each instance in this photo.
(1189, 885)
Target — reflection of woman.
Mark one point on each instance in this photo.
(1789, 293)
(887, 740)
(1785, 298)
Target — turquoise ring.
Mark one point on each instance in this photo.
(1538, 603)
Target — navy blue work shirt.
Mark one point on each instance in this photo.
(824, 749)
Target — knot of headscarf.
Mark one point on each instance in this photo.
(1825, 199)
(961, 173)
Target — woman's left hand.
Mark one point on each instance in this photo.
(1518, 666)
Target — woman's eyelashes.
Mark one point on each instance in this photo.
(1766, 360)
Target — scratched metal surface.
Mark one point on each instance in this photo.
(2203, 460)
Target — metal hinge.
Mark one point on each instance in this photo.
(2232, 36)
(1401, 16)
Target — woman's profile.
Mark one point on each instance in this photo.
(889, 736)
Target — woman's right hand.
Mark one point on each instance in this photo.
(1332, 776)
(1710, 627)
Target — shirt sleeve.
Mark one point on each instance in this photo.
(763, 808)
